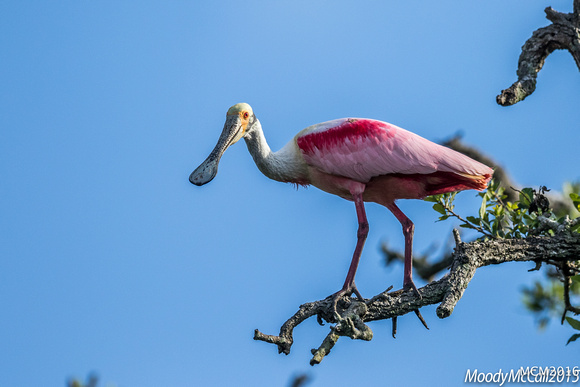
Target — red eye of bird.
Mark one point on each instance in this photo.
(246, 114)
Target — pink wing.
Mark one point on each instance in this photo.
(361, 149)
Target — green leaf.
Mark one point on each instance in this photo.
(574, 323)
(576, 200)
(573, 338)
(474, 220)
(576, 278)
(444, 217)
(485, 224)
(439, 208)
(483, 206)
(526, 197)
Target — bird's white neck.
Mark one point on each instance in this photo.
(286, 165)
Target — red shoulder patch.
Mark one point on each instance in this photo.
(352, 129)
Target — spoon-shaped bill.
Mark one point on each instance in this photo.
(208, 169)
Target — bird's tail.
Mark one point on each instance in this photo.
(478, 182)
(444, 182)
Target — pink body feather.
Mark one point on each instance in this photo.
(390, 162)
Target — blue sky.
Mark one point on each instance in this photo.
(112, 262)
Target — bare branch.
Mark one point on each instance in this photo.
(467, 258)
(562, 34)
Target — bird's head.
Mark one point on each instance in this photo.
(239, 119)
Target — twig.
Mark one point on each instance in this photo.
(469, 224)
(567, 282)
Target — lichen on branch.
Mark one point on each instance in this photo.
(563, 34)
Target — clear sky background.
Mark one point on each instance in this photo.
(112, 262)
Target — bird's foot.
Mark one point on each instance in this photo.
(345, 291)
(409, 285)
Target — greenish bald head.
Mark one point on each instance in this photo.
(237, 122)
(240, 108)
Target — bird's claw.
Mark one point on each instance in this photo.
(342, 293)
(410, 286)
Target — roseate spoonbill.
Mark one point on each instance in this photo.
(361, 160)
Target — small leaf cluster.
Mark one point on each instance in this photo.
(443, 204)
(544, 300)
(530, 214)
(499, 218)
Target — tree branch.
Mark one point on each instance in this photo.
(467, 258)
(563, 33)
(423, 265)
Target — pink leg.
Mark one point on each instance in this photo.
(363, 230)
(408, 229)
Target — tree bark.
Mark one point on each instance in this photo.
(561, 250)
(563, 34)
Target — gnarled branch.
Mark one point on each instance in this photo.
(559, 250)
(563, 33)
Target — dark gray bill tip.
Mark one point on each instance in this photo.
(208, 169)
(193, 179)
(204, 173)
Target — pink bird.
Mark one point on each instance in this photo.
(361, 160)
